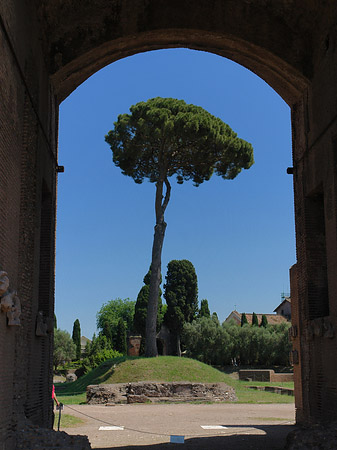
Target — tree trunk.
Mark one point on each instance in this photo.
(178, 347)
(159, 233)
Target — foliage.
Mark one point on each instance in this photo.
(215, 318)
(64, 347)
(55, 322)
(107, 332)
(181, 295)
(139, 318)
(217, 344)
(121, 345)
(255, 320)
(243, 319)
(164, 137)
(109, 315)
(98, 351)
(184, 140)
(95, 376)
(264, 321)
(204, 309)
(77, 338)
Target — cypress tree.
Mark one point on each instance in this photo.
(181, 295)
(243, 319)
(255, 321)
(204, 309)
(139, 318)
(264, 321)
(77, 338)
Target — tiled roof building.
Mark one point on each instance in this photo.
(273, 319)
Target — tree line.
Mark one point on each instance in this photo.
(223, 344)
(191, 329)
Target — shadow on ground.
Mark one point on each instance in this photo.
(274, 438)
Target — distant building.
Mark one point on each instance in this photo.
(283, 314)
(284, 308)
(84, 342)
(273, 319)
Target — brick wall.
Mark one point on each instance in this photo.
(27, 141)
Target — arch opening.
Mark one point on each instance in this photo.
(141, 191)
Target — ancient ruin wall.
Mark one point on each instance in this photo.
(49, 47)
(28, 127)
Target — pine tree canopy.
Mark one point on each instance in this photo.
(164, 137)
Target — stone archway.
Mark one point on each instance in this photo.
(50, 47)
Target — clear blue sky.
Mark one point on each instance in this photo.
(238, 234)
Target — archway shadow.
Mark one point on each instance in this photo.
(273, 438)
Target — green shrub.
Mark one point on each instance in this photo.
(212, 343)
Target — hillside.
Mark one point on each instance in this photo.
(165, 368)
(162, 368)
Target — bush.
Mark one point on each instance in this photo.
(97, 358)
(215, 344)
(96, 352)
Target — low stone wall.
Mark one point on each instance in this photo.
(265, 375)
(282, 377)
(153, 392)
(274, 389)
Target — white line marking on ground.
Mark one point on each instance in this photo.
(111, 428)
(213, 427)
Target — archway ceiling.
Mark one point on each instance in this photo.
(273, 38)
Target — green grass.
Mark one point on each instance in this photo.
(246, 395)
(72, 399)
(165, 369)
(67, 421)
(75, 392)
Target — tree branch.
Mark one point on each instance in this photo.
(167, 195)
(158, 204)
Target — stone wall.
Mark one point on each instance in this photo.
(265, 375)
(156, 392)
(28, 136)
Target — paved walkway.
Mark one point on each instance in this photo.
(146, 426)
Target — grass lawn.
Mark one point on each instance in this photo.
(164, 368)
(67, 421)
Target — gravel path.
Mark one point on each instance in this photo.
(151, 426)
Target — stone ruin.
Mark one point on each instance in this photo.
(157, 392)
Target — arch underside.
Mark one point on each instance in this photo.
(272, 38)
(282, 77)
